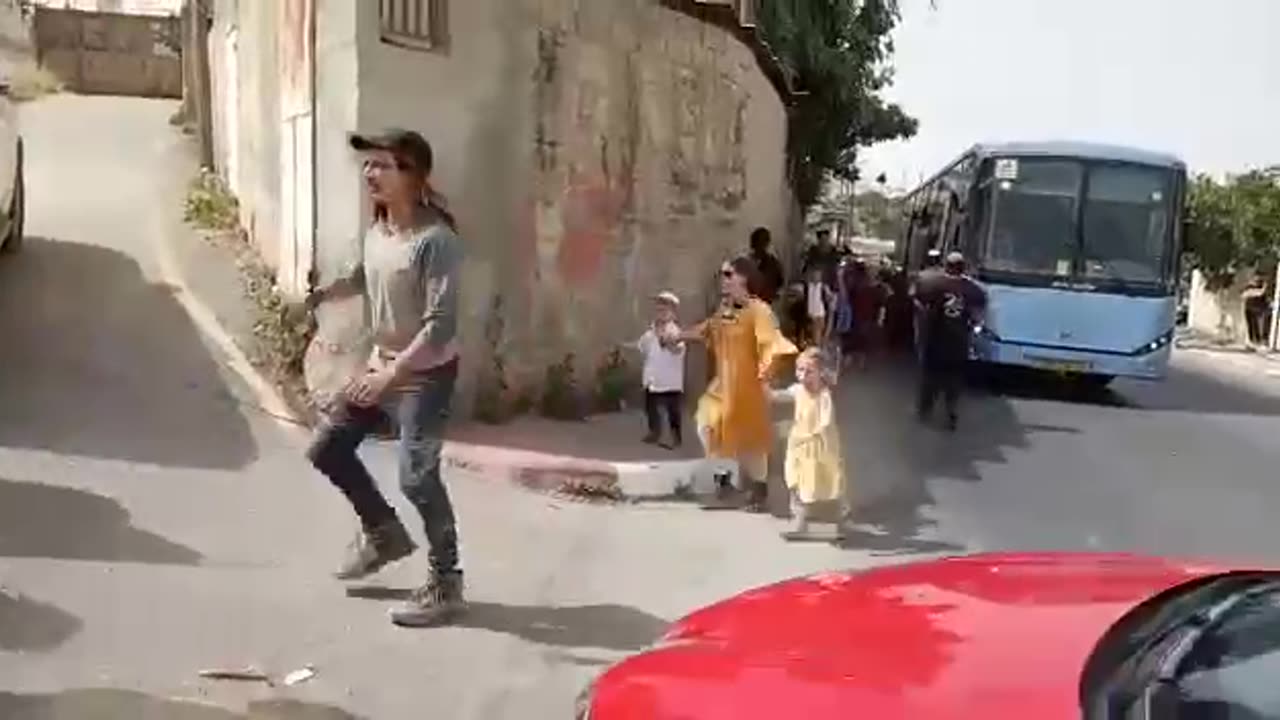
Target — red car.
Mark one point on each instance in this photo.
(1029, 636)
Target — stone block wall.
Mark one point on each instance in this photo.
(594, 152)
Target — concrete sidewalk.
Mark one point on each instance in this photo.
(602, 454)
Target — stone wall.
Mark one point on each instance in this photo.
(1217, 313)
(594, 152)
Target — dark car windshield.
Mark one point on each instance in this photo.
(1208, 651)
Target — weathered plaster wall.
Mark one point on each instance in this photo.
(340, 345)
(1218, 313)
(595, 152)
(247, 145)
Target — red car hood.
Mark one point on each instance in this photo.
(987, 636)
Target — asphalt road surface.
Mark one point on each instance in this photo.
(151, 526)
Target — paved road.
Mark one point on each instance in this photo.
(1187, 466)
(151, 525)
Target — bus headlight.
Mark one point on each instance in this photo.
(1157, 344)
(985, 333)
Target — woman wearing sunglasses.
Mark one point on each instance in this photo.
(733, 416)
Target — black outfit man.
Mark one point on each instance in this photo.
(951, 305)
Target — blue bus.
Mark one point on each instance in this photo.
(1077, 245)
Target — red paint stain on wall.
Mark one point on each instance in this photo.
(591, 212)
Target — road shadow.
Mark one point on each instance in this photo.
(612, 627)
(109, 704)
(1183, 390)
(28, 625)
(45, 521)
(99, 362)
(891, 458)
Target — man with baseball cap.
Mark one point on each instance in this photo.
(951, 305)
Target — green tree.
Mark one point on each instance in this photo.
(1234, 226)
(878, 215)
(838, 54)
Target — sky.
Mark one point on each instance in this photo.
(1166, 75)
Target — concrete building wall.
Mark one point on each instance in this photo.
(1218, 313)
(340, 346)
(595, 152)
(245, 70)
(132, 7)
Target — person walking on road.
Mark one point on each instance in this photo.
(409, 274)
(733, 418)
(814, 468)
(1256, 311)
(767, 265)
(932, 270)
(822, 256)
(951, 305)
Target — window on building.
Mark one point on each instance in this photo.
(416, 24)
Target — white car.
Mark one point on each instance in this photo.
(12, 187)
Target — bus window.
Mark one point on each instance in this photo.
(1127, 223)
(1034, 217)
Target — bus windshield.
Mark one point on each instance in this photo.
(1072, 220)
(1126, 224)
(1034, 217)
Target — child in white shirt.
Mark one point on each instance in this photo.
(818, 300)
(663, 371)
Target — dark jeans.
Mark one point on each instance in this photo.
(422, 411)
(940, 378)
(1258, 324)
(672, 403)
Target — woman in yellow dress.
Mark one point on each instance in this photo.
(814, 469)
(733, 417)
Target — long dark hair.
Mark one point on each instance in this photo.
(431, 198)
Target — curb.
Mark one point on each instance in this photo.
(545, 472)
(538, 471)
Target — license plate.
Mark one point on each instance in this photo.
(1062, 366)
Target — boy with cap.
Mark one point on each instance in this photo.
(663, 374)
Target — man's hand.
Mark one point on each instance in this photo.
(313, 299)
(372, 388)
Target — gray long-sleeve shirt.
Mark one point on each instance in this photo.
(411, 278)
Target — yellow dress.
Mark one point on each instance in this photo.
(734, 411)
(814, 469)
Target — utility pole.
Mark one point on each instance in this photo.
(1273, 337)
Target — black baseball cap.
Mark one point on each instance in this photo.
(408, 146)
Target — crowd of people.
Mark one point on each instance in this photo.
(840, 313)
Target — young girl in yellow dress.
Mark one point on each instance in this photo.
(814, 469)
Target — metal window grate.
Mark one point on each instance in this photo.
(416, 24)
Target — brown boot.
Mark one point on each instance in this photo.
(374, 549)
(435, 603)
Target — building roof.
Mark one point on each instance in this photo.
(1093, 151)
(732, 16)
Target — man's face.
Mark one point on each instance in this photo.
(385, 179)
